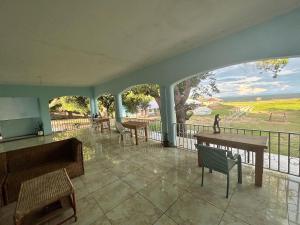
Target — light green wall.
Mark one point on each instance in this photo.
(19, 112)
(43, 94)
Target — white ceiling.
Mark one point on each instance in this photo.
(87, 42)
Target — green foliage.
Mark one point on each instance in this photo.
(147, 89)
(273, 65)
(79, 104)
(292, 104)
(108, 102)
(134, 101)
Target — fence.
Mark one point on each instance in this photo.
(283, 153)
(70, 124)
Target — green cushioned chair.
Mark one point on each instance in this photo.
(219, 160)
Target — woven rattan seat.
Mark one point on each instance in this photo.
(42, 191)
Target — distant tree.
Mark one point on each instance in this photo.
(79, 104)
(273, 65)
(107, 101)
(134, 101)
(70, 104)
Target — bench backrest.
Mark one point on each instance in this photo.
(38, 155)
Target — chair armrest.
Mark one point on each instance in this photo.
(234, 157)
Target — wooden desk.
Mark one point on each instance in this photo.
(255, 144)
(135, 125)
(101, 121)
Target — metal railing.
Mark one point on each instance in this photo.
(70, 124)
(283, 153)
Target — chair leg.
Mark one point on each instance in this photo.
(202, 176)
(240, 179)
(227, 185)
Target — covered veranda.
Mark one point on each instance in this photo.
(149, 184)
(48, 50)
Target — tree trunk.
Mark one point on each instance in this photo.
(180, 120)
(70, 114)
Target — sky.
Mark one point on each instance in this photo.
(247, 80)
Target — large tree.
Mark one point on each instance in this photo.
(273, 66)
(70, 104)
(107, 101)
(134, 101)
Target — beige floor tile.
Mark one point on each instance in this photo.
(182, 179)
(259, 205)
(213, 189)
(113, 194)
(134, 211)
(165, 220)
(162, 194)
(188, 210)
(88, 212)
(231, 220)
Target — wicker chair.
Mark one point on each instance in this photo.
(219, 160)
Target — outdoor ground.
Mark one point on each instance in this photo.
(258, 116)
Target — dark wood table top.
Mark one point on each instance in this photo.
(134, 124)
(101, 119)
(235, 140)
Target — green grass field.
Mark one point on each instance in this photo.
(285, 118)
(285, 115)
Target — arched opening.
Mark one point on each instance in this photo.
(69, 113)
(260, 98)
(141, 103)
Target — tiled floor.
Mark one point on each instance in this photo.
(147, 184)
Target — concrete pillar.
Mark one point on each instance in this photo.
(118, 107)
(167, 111)
(94, 106)
(45, 115)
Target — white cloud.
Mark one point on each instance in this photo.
(286, 72)
(248, 90)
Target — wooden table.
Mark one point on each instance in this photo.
(135, 125)
(255, 144)
(44, 198)
(101, 121)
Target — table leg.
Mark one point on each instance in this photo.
(108, 124)
(101, 127)
(74, 206)
(259, 166)
(146, 133)
(136, 136)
